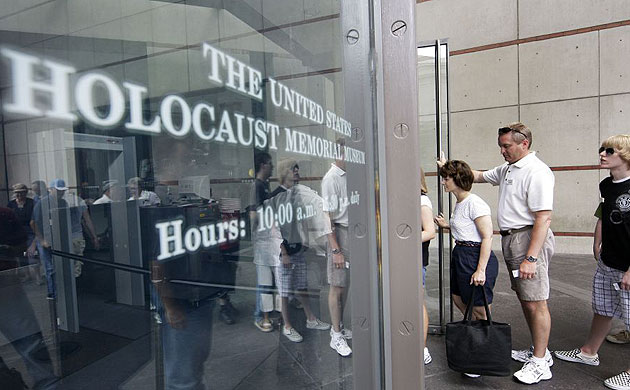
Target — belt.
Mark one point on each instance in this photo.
(512, 231)
(468, 243)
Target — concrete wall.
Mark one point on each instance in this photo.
(560, 67)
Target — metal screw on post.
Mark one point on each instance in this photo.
(361, 322)
(406, 328)
(352, 37)
(359, 230)
(403, 231)
(399, 28)
(401, 130)
(357, 134)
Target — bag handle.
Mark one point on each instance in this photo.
(471, 303)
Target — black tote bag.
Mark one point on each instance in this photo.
(479, 347)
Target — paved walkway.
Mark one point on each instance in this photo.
(570, 306)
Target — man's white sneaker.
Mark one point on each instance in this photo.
(292, 334)
(525, 355)
(619, 382)
(427, 356)
(576, 356)
(317, 324)
(533, 372)
(340, 345)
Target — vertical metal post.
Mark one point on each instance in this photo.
(399, 178)
(359, 108)
(438, 138)
(448, 155)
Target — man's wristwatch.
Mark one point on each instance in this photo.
(336, 251)
(531, 259)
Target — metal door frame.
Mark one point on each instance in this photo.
(444, 294)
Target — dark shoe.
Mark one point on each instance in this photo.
(234, 311)
(225, 315)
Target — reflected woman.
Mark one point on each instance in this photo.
(428, 233)
(472, 260)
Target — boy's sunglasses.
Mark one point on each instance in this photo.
(609, 151)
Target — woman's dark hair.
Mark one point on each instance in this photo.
(460, 172)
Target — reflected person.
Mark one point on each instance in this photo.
(292, 273)
(138, 192)
(335, 194)
(186, 312)
(112, 191)
(22, 206)
(266, 242)
(58, 199)
(18, 323)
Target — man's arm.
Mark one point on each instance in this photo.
(90, 227)
(479, 177)
(338, 259)
(542, 222)
(478, 174)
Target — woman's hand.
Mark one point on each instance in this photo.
(478, 278)
(440, 221)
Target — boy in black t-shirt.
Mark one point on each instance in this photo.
(611, 283)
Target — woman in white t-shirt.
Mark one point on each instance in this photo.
(472, 262)
(428, 233)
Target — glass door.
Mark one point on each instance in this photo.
(433, 118)
(202, 185)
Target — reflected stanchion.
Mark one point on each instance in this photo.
(56, 348)
(158, 353)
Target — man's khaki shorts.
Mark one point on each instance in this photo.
(339, 277)
(514, 252)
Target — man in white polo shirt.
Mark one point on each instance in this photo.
(335, 194)
(524, 216)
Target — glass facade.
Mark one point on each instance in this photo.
(182, 213)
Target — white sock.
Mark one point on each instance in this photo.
(540, 361)
(336, 334)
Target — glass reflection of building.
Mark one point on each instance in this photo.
(144, 119)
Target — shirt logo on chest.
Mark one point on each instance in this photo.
(623, 202)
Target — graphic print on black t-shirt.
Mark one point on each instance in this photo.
(616, 223)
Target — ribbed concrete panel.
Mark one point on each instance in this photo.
(538, 17)
(560, 68)
(614, 60)
(615, 115)
(576, 197)
(474, 135)
(466, 23)
(484, 79)
(570, 126)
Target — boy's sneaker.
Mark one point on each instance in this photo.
(317, 324)
(622, 337)
(292, 334)
(346, 333)
(339, 344)
(533, 372)
(427, 356)
(525, 355)
(576, 356)
(619, 382)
